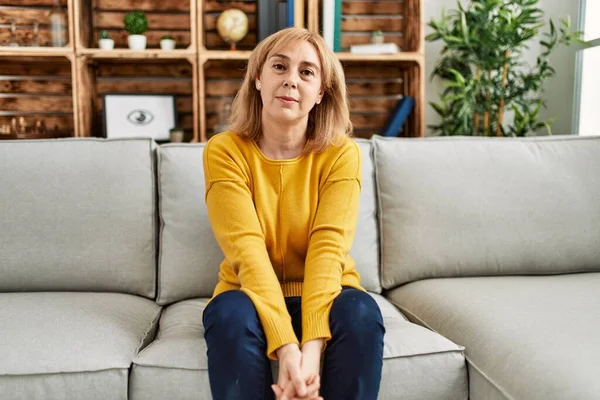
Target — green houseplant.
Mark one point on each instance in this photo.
(136, 24)
(167, 42)
(483, 69)
(105, 42)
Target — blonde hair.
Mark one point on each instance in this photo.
(327, 122)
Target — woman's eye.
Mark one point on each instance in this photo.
(278, 66)
(308, 72)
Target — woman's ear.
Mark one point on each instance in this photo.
(320, 96)
(257, 84)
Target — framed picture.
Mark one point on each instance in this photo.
(138, 115)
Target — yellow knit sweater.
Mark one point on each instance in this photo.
(285, 228)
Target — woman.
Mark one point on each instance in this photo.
(282, 192)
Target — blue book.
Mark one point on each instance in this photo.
(282, 16)
(337, 26)
(398, 116)
(290, 13)
(273, 15)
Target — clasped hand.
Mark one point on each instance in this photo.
(299, 377)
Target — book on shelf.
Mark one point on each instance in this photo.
(290, 12)
(331, 11)
(375, 48)
(337, 28)
(274, 15)
(398, 116)
(328, 10)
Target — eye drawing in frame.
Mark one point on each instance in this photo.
(139, 115)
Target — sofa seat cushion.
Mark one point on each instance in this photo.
(66, 345)
(526, 337)
(418, 363)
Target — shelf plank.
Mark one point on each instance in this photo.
(343, 56)
(134, 68)
(212, 6)
(24, 35)
(26, 86)
(356, 23)
(143, 5)
(175, 87)
(7, 51)
(114, 20)
(37, 103)
(39, 3)
(119, 54)
(225, 54)
(25, 16)
(373, 8)
(402, 56)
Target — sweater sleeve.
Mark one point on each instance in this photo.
(237, 230)
(330, 240)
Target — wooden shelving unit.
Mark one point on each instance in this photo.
(149, 54)
(202, 73)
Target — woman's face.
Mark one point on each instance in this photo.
(290, 83)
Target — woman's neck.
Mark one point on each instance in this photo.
(282, 142)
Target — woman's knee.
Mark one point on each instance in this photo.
(231, 313)
(356, 311)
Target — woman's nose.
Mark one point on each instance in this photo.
(291, 80)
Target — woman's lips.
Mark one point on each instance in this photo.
(286, 100)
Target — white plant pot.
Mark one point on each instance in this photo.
(106, 44)
(136, 42)
(167, 44)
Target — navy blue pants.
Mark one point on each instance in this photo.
(239, 369)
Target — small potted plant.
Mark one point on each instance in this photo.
(167, 42)
(105, 42)
(136, 25)
(377, 37)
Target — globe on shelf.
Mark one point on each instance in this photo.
(232, 26)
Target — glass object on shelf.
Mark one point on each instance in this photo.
(23, 126)
(223, 119)
(36, 34)
(14, 127)
(40, 127)
(176, 135)
(58, 23)
(13, 34)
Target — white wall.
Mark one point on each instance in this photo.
(559, 90)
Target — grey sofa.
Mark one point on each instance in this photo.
(483, 255)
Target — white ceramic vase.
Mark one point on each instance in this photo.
(136, 42)
(167, 44)
(106, 44)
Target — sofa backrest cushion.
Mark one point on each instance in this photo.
(453, 207)
(365, 248)
(78, 215)
(189, 256)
